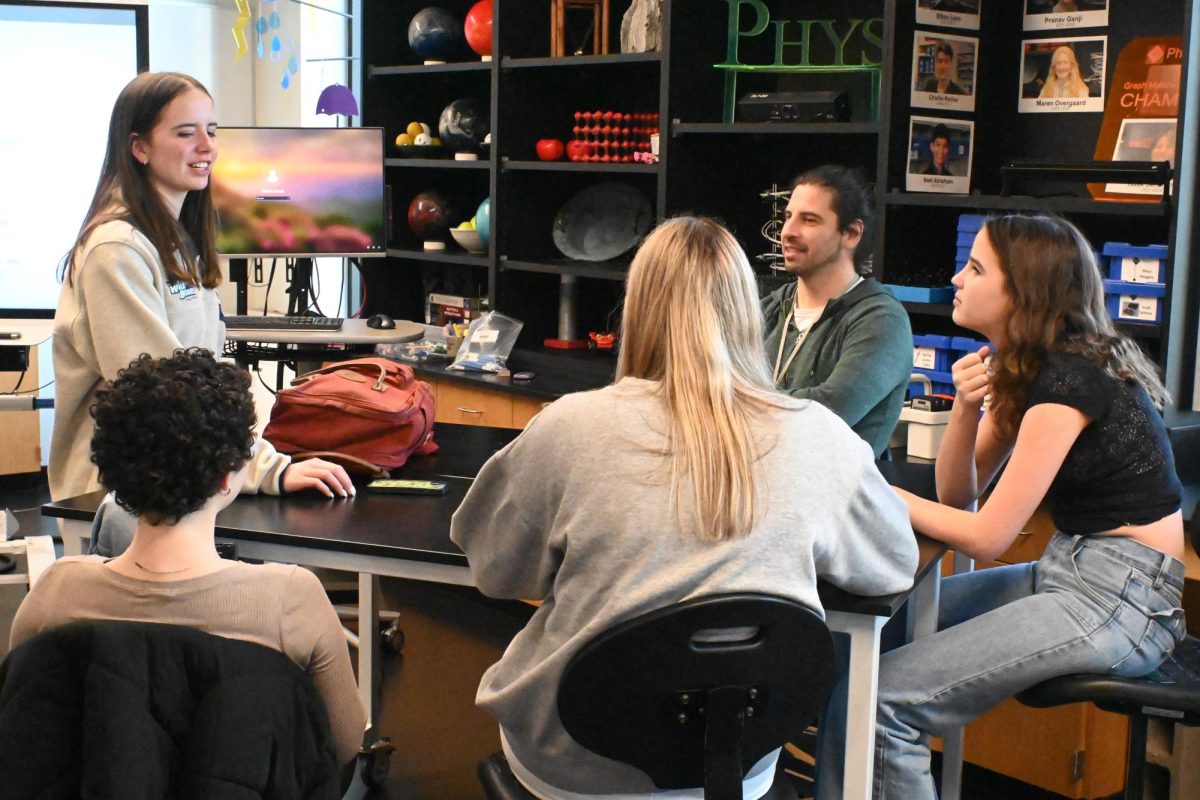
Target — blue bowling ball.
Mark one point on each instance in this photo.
(435, 34)
(463, 124)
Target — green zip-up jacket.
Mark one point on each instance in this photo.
(855, 361)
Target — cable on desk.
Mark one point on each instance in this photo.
(20, 378)
(267, 386)
(29, 391)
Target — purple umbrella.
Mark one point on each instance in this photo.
(337, 99)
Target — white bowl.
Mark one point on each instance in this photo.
(468, 240)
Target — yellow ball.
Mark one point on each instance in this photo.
(414, 128)
(403, 140)
(437, 142)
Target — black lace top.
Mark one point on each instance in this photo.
(1120, 470)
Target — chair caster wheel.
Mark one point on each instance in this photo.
(375, 761)
(393, 637)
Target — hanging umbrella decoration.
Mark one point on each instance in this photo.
(337, 99)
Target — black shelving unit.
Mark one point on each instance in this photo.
(720, 168)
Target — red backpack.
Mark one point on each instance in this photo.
(369, 409)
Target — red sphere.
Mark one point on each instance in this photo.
(478, 27)
(429, 216)
(549, 149)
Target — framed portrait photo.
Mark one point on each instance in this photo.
(943, 73)
(1144, 140)
(1054, 15)
(949, 13)
(939, 155)
(1062, 75)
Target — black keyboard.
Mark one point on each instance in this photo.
(238, 322)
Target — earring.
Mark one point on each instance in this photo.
(224, 492)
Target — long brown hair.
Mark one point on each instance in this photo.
(1057, 296)
(693, 322)
(124, 190)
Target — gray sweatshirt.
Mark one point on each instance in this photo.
(577, 511)
(121, 304)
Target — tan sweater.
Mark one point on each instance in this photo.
(120, 305)
(280, 606)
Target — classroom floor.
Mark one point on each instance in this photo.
(452, 635)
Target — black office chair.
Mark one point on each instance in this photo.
(131, 709)
(1171, 692)
(693, 694)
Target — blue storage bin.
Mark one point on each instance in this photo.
(970, 222)
(921, 294)
(1133, 264)
(931, 351)
(966, 239)
(1134, 302)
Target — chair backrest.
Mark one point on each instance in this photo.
(695, 693)
(131, 709)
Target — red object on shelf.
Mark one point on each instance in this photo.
(566, 344)
(477, 28)
(549, 149)
(577, 150)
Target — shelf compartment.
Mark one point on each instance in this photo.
(566, 62)
(605, 270)
(448, 256)
(679, 128)
(428, 69)
(1069, 205)
(577, 166)
(437, 163)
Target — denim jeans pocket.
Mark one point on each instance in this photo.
(1153, 622)
(1100, 577)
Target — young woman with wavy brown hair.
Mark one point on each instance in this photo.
(1073, 412)
(688, 476)
(142, 277)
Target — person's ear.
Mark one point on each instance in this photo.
(141, 153)
(853, 234)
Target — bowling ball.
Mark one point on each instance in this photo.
(463, 124)
(429, 216)
(483, 220)
(434, 34)
(478, 27)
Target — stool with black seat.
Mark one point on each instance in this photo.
(1171, 693)
(693, 694)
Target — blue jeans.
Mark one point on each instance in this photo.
(1092, 604)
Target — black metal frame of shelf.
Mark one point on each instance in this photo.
(440, 256)
(437, 163)
(680, 128)
(604, 270)
(429, 69)
(566, 62)
(618, 167)
(1070, 205)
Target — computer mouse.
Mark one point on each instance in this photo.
(381, 321)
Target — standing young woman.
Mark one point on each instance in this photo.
(689, 476)
(143, 273)
(1073, 411)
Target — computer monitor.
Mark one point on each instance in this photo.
(299, 192)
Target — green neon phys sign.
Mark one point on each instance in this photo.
(795, 38)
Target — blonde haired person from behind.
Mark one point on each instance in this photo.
(688, 476)
(173, 442)
(1064, 79)
(142, 277)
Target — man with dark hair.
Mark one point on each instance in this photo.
(836, 335)
(944, 65)
(939, 151)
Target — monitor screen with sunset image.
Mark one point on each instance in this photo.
(299, 192)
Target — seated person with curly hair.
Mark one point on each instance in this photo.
(172, 441)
